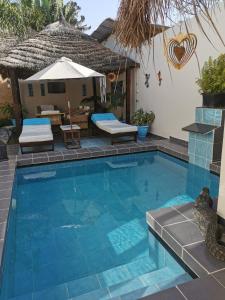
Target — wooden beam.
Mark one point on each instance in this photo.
(128, 95)
(16, 98)
(94, 91)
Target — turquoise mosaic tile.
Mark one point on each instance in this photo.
(83, 285)
(201, 148)
(199, 115)
(200, 161)
(192, 158)
(218, 117)
(125, 287)
(208, 116)
(209, 151)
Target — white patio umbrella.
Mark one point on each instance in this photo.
(64, 69)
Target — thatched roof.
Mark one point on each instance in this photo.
(60, 39)
(104, 30)
(6, 44)
(107, 27)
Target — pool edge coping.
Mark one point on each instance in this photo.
(154, 221)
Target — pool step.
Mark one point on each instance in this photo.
(134, 288)
(117, 282)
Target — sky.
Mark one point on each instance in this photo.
(96, 11)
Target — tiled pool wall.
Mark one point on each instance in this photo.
(7, 170)
(204, 149)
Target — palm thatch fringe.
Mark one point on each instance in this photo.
(136, 18)
(57, 40)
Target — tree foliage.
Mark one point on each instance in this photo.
(21, 16)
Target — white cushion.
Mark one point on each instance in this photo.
(115, 126)
(36, 133)
(50, 112)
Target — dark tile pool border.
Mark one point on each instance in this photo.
(176, 227)
(165, 146)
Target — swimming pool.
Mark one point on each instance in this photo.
(77, 230)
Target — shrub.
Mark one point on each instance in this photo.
(212, 79)
(141, 118)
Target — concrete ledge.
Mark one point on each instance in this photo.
(165, 146)
(177, 228)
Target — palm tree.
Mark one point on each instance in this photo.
(23, 15)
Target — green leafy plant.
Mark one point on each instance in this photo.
(113, 101)
(212, 79)
(7, 110)
(141, 118)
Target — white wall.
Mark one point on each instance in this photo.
(175, 100)
(221, 199)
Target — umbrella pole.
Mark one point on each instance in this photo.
(71, 124)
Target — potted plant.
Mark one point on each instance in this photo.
(143, 120)
(212, 82)
(8, 111)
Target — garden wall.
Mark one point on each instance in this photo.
(175, 100)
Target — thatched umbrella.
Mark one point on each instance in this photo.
(57, 40)
(60, 39)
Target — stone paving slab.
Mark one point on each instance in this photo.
(185, 239)
(165, 146)
(7, 170)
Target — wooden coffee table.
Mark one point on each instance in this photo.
(71, 136)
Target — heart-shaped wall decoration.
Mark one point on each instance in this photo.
(180, 49)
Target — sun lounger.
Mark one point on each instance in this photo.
(36, 132)
(110, 125)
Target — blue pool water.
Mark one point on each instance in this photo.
(77, 230)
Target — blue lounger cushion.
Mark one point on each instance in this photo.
(37, 121)
(103, 117)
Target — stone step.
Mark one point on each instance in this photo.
(127, 281)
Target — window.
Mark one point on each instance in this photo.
(42, 87)
(84, 90)
(30, 90)
(56, 87)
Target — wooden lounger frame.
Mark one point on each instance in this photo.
(34, 144)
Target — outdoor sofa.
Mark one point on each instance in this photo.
(108, 124)
(36, 132)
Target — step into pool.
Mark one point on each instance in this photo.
(77, 230)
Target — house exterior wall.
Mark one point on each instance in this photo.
(73, 92)
(5, 93)
(173, 102)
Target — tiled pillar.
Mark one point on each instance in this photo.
(221, 199)
(205, 148)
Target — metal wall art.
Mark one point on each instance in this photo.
(112, 77)
(180, 49)
(159, 75)
(147, 77)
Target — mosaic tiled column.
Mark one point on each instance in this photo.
(206, 148)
